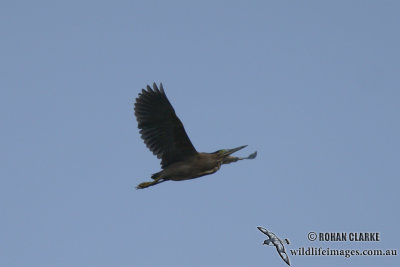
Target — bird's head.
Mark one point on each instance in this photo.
(224, 154)
(267, 242)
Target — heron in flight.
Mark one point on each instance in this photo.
(163, 133)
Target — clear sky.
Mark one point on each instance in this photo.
(313, 86)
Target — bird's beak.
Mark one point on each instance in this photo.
(233, 150)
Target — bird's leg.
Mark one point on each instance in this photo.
(147, 184)
(230, 159)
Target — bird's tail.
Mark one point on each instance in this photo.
(156, 175)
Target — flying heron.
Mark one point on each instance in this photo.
(163, 133)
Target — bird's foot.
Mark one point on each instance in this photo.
(252, 156)
(147, 184)
(144, 185)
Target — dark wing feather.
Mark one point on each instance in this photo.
(160, 128)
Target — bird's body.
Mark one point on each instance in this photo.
(195, 166)
(164, 134)
(277, 242)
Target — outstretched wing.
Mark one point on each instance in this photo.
(283, 255)
(266, 232)
(160, 128)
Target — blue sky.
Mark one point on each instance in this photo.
(313, 86)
